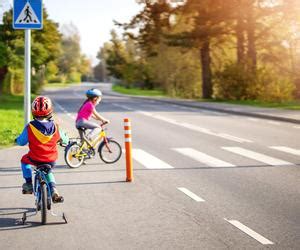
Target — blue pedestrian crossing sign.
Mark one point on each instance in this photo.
(28, 14)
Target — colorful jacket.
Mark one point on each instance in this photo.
(42, 138)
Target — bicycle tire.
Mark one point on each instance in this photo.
(43, 203)
(105, 154)
(69, 156)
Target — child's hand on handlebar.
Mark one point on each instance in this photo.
(104, 121)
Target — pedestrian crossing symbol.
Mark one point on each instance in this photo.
(27, 14)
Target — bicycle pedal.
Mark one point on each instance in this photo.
(59, 199)
(26, 192)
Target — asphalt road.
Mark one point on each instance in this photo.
(202, 180)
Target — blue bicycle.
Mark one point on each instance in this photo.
(42, 194)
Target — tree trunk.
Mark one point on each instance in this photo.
(3, 72)
(240, 34)
(206, 70)
(251, 53)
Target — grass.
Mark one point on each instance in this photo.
(11, 119)
(291, 105)
(56, 84)
(137, 91)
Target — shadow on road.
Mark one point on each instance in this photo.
(15, 223)
(71, 184)
(90, 183)
(9, 223)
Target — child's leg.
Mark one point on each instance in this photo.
(27, 187)
(51, 180)
(27, 173)
(52, 184)
(88, 125)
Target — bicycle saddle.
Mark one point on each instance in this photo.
(81, 128)
(44, 167)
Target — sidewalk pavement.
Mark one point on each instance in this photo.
(277, 114)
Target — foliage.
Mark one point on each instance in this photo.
(137, 91)
(13, 81)
(177, 72)
(51, 71)
(45, 48)
(54, 57)
(72, 63)
(237, 50)
(236, 83)
(275, 88)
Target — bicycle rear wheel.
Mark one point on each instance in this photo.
(43, 203)
(71, 159)
(110, 152)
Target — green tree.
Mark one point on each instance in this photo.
(115, 56)
(45, 49)
(71, 59)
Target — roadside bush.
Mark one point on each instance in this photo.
(235, 83)
(38, 81)
(13, 81)
(274, 88)
(74, 77)
(177, 72)
(58, 79)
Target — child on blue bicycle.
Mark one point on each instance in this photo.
(42, 135)
(88, 111)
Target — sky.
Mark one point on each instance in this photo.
(93, 18)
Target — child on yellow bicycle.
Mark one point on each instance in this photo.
(88, 111)
(42, 135)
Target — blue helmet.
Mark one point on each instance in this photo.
(93, 93)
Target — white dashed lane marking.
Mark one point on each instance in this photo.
(191, 194)
(250, 232)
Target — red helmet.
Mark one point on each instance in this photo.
(41, 107)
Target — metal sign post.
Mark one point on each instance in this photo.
(27, 85)
(27, 15)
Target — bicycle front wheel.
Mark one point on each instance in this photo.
(43, 203)
(110, 152)
(71, 158)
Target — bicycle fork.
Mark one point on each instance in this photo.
(106, 144)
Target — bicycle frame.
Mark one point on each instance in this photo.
(91, 144)
(80, 149)
(39, 179)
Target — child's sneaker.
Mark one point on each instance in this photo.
(27, 188)
(56, 198)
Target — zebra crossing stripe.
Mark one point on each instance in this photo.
(257, 156)
(287, 150)
(148, 160)
(203, 158)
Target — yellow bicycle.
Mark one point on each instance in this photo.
(79, 150)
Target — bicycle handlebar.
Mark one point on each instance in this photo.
(104, 123)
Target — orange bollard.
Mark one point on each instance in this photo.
(129, 171)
